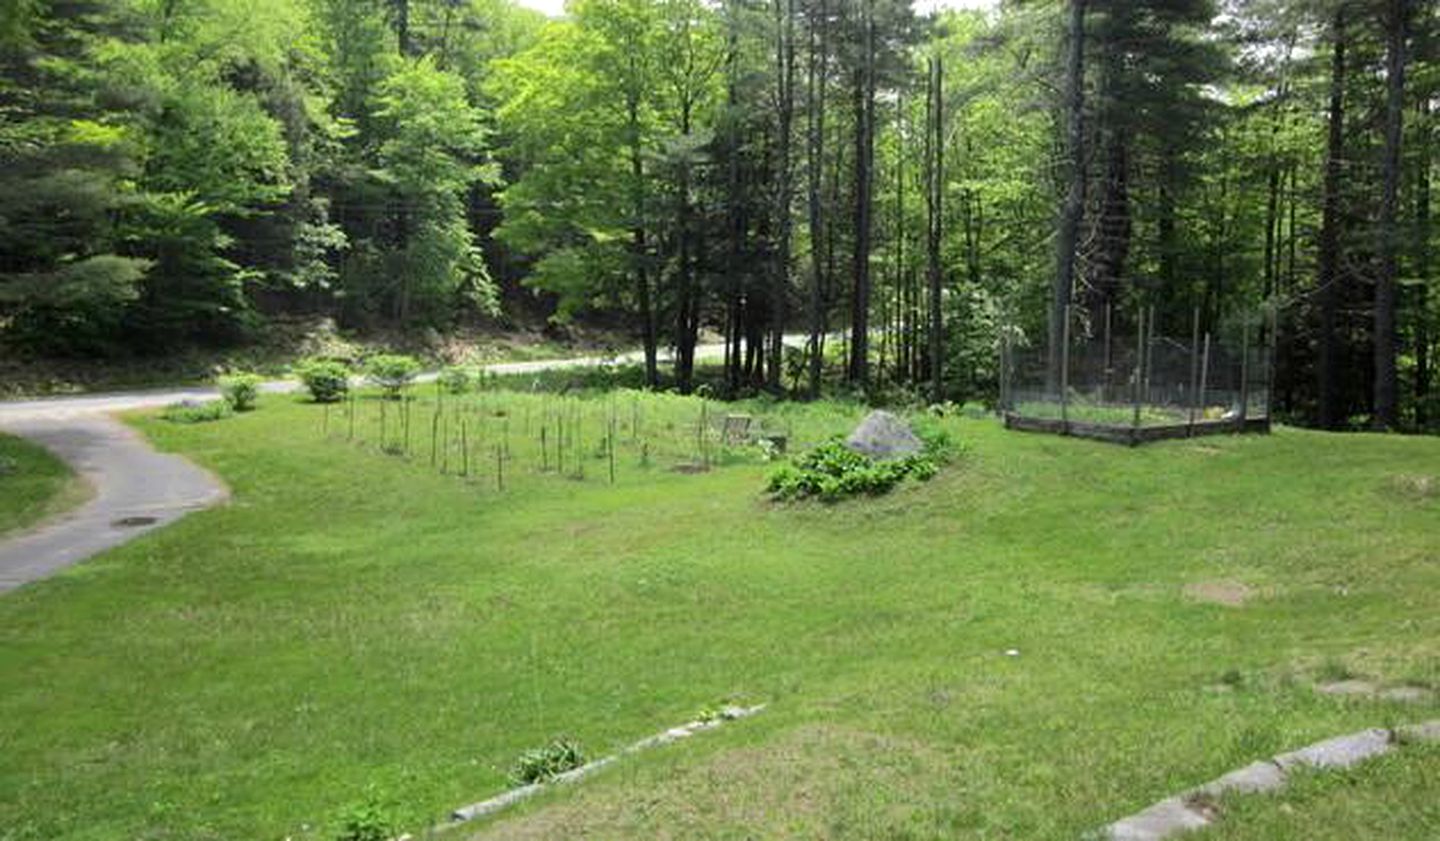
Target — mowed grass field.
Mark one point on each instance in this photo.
(34, 484)
(355, 624)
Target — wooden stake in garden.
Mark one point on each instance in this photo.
(499, 468)
(434, 433)
(610, 448)
(464, 448)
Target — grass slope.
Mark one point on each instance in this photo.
(1393, 796)
(354, 621)
(33, 484)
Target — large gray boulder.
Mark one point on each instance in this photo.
(884, 436)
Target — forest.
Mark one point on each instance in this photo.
(852, 195)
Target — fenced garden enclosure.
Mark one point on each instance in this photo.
(1126, 381)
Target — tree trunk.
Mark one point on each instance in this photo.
(1386, 413)
(934, 198)
(815, 171)
(864, 163)
(687, 310)
(785, 76)
(402, 26)
(638, 247)
(1329, 245)
(1070, 216)
(1422, 269)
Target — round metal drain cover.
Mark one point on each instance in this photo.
(133, 522)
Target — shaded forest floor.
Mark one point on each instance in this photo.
(357, 622)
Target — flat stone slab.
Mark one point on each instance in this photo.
(1346, 687)
(1339, 752)
(1366, 689)
(1163, 820)
(1255, 777)
(1428, 731)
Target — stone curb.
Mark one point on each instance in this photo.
(674, 734)
(1192, 809)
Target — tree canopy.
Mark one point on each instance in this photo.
(901, 189)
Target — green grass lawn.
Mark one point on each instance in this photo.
(354, 622)
(1394, 796)
(33, 484)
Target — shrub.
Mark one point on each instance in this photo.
(190, 411)
(456, 379)
(327, 381)
(240, 390)
(539, 765)
(832, 471)
(393, 372)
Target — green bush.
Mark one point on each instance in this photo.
(189, 411)
(832, 471)
(366, 821)
(393, 372)
(539, 765)
(241, 390)
(456, 379)
(327, 381)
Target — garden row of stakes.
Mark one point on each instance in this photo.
(500, 435)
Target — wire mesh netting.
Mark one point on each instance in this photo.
(1146, 380)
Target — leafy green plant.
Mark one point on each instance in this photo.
(832, 471)
(367, 820)
(539, 765)
(327, 380)
(190, 411)
(457, 379)
(241, 390)
(392, 372)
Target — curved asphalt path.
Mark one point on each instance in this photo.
(138, 489)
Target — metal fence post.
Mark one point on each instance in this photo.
(1244, 373)
(1199, 403)
(1139, 373)
(1065, 373)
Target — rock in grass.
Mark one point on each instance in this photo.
(884, 436)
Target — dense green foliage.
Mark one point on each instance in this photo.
(189, 411)
(172, 172)
(327, 380)
(833, 471)
(393, 372)
(240, 391)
